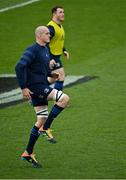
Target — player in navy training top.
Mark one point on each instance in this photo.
(33, 67)
(32, 72)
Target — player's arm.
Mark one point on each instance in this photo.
(21, 72)
(51, 30)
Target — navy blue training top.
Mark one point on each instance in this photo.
(33, 67)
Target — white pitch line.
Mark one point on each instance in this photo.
(15, 94)
(7, 75)
(18, 5)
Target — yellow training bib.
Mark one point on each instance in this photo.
(57, 42)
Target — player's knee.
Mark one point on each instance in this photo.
(62, 78)
(65, 99)
(62, 98)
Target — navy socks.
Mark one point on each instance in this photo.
(32, 140)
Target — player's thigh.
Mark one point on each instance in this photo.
(52, 95)
(40, 106)
(40, 93)
(41, 114)
(61, 72)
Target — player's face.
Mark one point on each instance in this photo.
(60, 14)
(46, 35)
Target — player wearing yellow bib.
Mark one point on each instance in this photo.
(56, 45)
(56, 49)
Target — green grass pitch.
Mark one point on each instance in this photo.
(91, 134)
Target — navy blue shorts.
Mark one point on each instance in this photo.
(40, 93)
(57, 60)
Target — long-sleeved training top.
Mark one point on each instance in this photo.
(33, 66)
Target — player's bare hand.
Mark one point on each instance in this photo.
(66, 54)
(26, 93)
